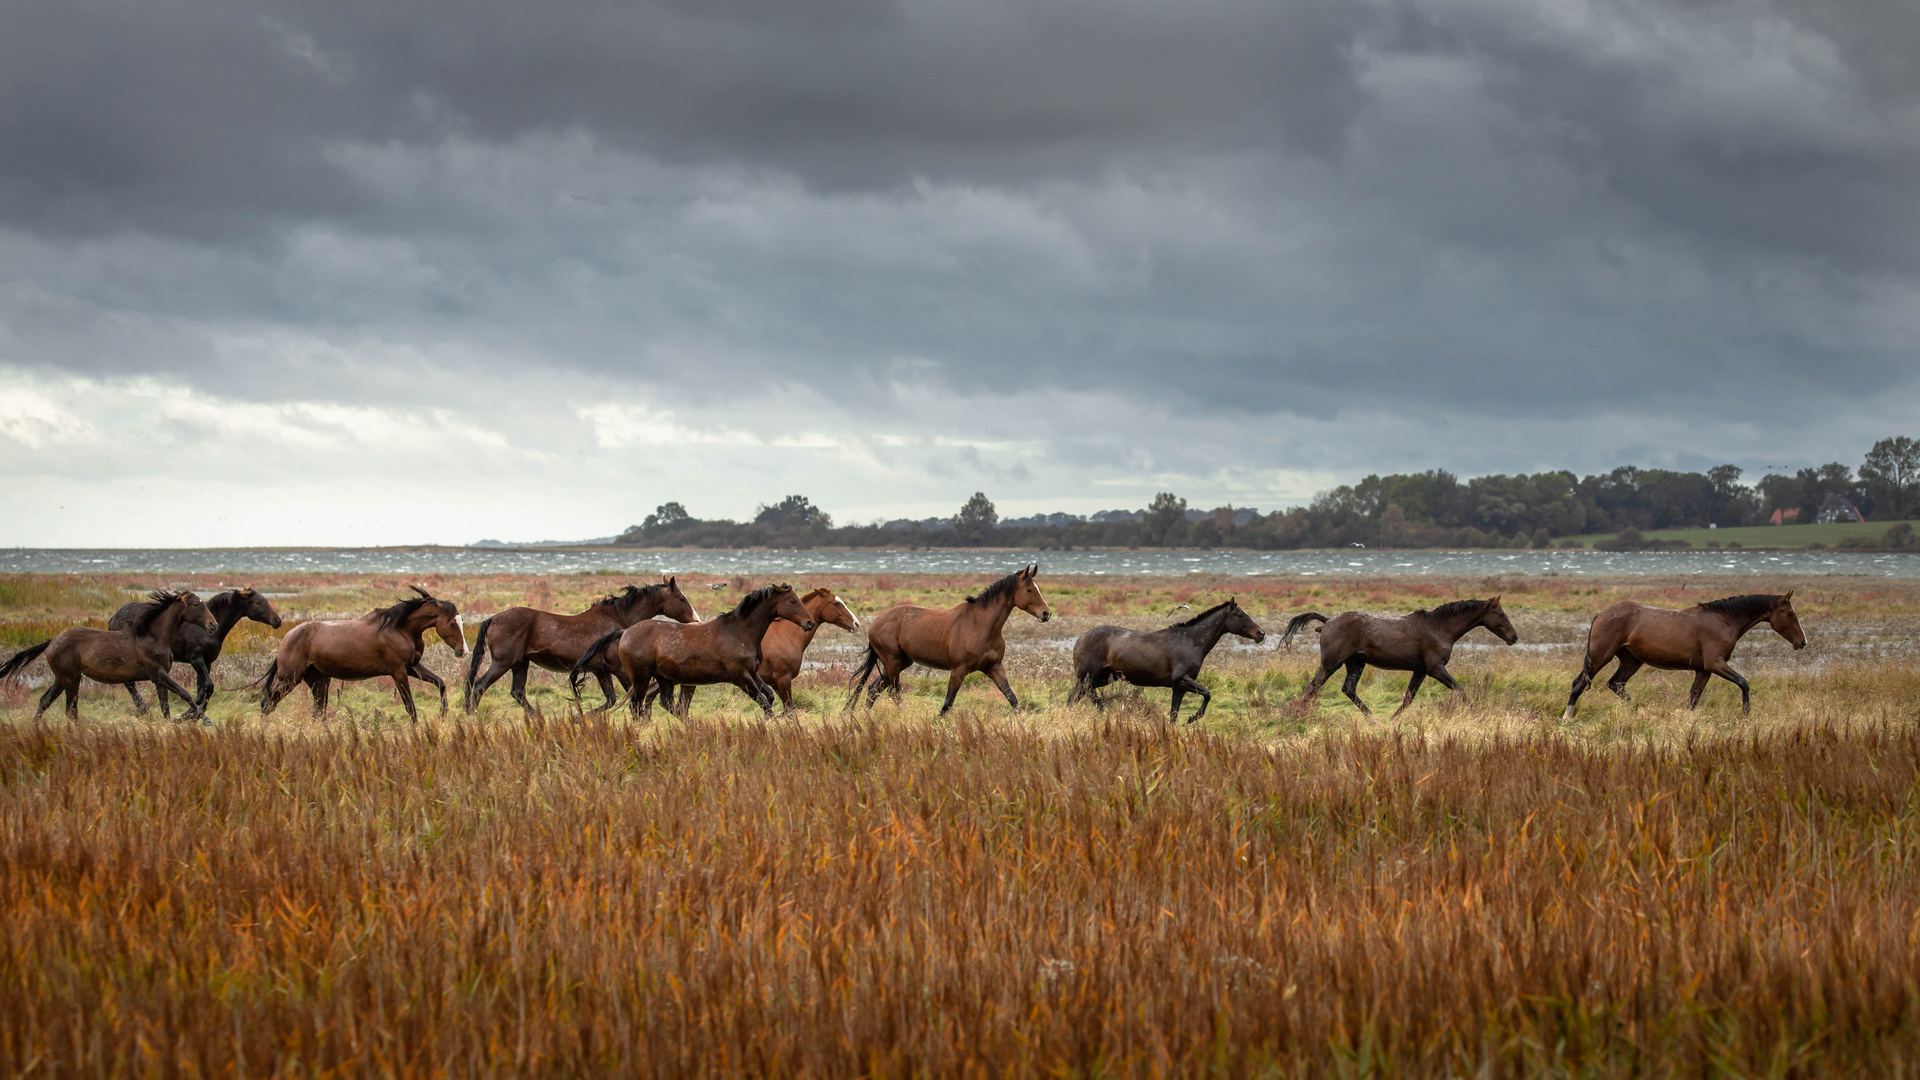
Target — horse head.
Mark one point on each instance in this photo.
(1786, 623)
(1241, 623)
(1494, 618)
(677, 607)
(194, 610)
(256, 606)
(1026, 595)
(446, 621)
(825, 607)
(787, 605)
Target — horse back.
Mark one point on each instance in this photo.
(687, 652)
(349, 649)
(1662, 637)
(1095, 647)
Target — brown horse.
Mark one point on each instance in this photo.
(199, 648)
(960, 640)
(725, 649)
(785, 644)
(389, 641)
(523, 636)
(1171, 657)
(141, 651)
(1698, 639)
(1420, 642)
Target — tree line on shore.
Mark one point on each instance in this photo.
(1405, 510)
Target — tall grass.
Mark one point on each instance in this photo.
(969, 898)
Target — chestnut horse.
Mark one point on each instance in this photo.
(389, 641)
(1171, 657)
(140, 651)
(962, 639)
(197, 647)
(1420, 642)
(785, 644)
(1698, 639)
(725, 649)
(523, 636)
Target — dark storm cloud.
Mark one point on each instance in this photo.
(1238, 209)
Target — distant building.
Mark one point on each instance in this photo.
(1836, 509)
(1786, 515)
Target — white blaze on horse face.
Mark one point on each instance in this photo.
(849, 611)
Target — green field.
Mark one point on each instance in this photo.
(1768, 536)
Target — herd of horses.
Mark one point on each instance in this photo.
(651, 641)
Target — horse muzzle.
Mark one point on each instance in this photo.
(808, 625)
(1046, 615)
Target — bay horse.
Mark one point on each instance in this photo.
(725, 649)
(388, 641)
(1698, 639)
(786, 644)
(140, 651)
(960, 640)
(1171, 657)
(198, 647)
(1419, 641)
(524, 636)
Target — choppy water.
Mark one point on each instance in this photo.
(800, 563)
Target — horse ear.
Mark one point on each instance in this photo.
(1787, 599)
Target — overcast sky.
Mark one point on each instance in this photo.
(341, 272)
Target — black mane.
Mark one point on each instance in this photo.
(998, 589)
(752, 600)
(628, 595)
(389, 618)
(1459, 607)
(1750, 606)
(149, 609)
(1212, 610)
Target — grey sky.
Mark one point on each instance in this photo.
(432, 271)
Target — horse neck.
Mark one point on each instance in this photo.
(1207, 632)
(759, 618)
(418, 623)
(166, 625)
(1742, 626)
(993, 613)
(227, 613)
(1455, 627)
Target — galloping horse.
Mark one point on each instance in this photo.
(785, 644)
(389, 641)
(725, 649)
(962, 639)
(1169, 657)
(1420, 642)
(142, 651)
(523, 636)
(198, 647)
(1698, 639)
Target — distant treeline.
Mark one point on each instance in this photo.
(1430, 509)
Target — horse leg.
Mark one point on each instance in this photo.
(685, 708)
(954, 679)
(404, 687)
(606, 687)
(750, 683)
(1354, 667)
(640, 699)
(318, 685)
(1629, 664)
(998, 673)
(518, 691)
(1699, 687)
(164, 685)
(1327, 668)
(202, 685)
(1725, 671)
(1413, 687)
(46, 699)
(1588, 669)
(783, 685)
(1189, 684)
(486, 680)
(139, 704)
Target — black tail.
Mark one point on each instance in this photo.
(22, 659)
(587, 658)
(473, 666)
(1299, 623)
(861, 676)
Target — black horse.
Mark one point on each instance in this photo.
(1420, 642)
(1170, 657)
(198, 647)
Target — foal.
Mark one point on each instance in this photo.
(1170, 657)
(1420, 642)
(140, 652)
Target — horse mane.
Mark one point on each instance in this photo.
(1458, 607)
(631, 592)
(998, 589)
(390, 618)
(753, 599)
(149, 609)
(1215, 608)
(1750, 606)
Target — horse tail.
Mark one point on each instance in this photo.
(864, 673)
(22, 659)
(586, 658)
(1298, 624)
(479, 653)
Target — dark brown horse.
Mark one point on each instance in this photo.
(1698, 639)
(1419, 641)
(389, 641)
(198, 648)
(523, 636)
(725, 649)
(782, 650)
(141, 651)
(1171, 657)
(962, 639)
